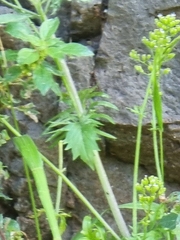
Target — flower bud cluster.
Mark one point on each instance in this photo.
(168, 27)
(149, 189)
(161, 43)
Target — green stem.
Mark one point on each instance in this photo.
(155, 145)
(39, 236)
(137, 156)
(69, 84)
(110, 196)
(40, 11)
(59, 185)
(19, 8)
(161, 153)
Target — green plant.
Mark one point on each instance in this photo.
(10, 229)
(33, 68)
(35, 72)
(161, 43)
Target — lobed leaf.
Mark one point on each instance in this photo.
(81, 139)
(43, 80)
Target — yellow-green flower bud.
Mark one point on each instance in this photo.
(139, 69)
(166, 71)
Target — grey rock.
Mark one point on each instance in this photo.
(126, 24)
(86, 19)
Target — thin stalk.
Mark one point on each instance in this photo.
(69, 84)
(69, 183)
(155, 145)
(47, 6)
(59, 184)
(40, 11)
(137, 156)
(19, 8)
(110, 196)
(161, 153)
(39, 236)
(10, 127)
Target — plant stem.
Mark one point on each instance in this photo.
(110, 196)
(161, 153)
(137, 155)
(39, 236)
(59, 185)
(19, 8)
(155, 145)
(69, 84)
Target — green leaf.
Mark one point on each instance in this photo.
(43, 80)
(81, 139)
(11, 225)
(76, 49)
(11, 55)
(27, 56)
(19, 30)
(52, 68)
(104, 134)
(12, 17)
(33, 159)
(56, 52)
(154, 206)
(12, 74)
(48, 28)
(104, 104)
(29, 151)
(103, 116)
(169, 221)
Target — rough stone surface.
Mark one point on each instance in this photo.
(127, 23)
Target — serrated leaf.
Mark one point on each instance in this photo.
(81, 139)
(104, 134)
(19, 30)
(103, 116)
(12, 17)
(43, 79)
(169, 221)
(48, 28)
(76, 49)
(104, 104)
(27, 56)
